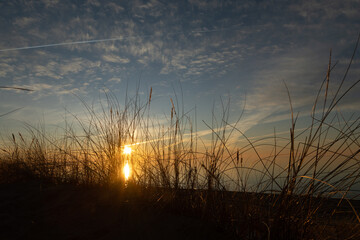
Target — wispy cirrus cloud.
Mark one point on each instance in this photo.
(23, 22)
(115, 59)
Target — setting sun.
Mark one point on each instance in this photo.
(126, 171)
(127, 150)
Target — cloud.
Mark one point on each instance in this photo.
(115, 7)
(325, 10)
(43, 71)
(5, 68)
(115, 79)
(72, 66)
(202, 59)
(115, 59)
(51, 3)
(203, 4)
(301, 70)
(23, 22)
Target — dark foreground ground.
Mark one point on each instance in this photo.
(37, 210)
(33, 210)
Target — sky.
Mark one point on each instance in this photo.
(201, 51)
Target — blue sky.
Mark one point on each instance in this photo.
(242, 50)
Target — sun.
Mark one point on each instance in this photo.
(127, 150)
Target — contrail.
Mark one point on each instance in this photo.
(1, 115)
(65, 44)
(108, 40)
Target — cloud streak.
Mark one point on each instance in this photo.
(16, 88)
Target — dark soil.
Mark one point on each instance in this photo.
(34, 210)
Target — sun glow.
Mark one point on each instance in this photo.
(127, 150)
(127, 171)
